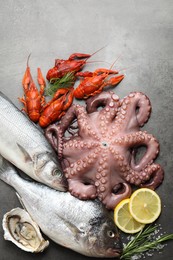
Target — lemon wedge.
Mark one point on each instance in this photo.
(145, 205)
(124, 220)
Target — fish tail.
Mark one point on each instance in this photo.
(7, 170)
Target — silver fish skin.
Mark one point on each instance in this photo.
(83, 226)
(25, 146)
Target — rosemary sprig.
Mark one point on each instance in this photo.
(56, 83)
(143, 242)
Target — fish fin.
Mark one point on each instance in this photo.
(72, 227)
(25, 153)
(24, 176)
(20, 200)
(75, 230)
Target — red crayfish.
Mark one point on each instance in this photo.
(62, 67)
(94, 83)
(56, 108)
(33, 99)
(74, 63)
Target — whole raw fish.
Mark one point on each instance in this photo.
(25, 146)
(83, 226)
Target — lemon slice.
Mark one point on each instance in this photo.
(145, 205)
(124, 220)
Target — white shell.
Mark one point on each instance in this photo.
(23, 231)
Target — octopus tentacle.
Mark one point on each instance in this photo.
(78, 189)
(68, 118)
(84, 129)
(83, 164)
(112, 200)
(157, 175)
(152, 145)
(79, 185)
(126, 143)
(109, 101)
(55, 136)
(55, 133)
(134, 111)
(84, 124)
(142, 177)
(77, 145)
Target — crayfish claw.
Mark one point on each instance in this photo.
(40, 78)
(79, 56)
(114, 80)
(26, 78)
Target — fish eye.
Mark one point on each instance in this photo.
(56, 172)
(110, 234)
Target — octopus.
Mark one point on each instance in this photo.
(99, 145)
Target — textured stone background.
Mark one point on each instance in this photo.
(140, 31)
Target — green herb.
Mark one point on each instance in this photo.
(56, 83)
(143, 242)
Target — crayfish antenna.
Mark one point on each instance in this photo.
(109, 71)
(115, 61)
(27, 78)
(27, 63)
(130, 67)
(96, 52)
(94, 61)
(101, 60)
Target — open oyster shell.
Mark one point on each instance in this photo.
(23, 231)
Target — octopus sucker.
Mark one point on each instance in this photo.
(104, 147)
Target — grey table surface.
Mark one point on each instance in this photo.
(140, 32)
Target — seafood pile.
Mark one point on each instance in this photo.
(81, 158)
(84, 226)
